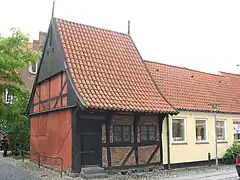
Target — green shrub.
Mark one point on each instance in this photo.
(230, 155)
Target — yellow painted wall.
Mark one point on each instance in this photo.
(191, 151)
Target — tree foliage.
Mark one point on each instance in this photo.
(14, 55)
(231, 153)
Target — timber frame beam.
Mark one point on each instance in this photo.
(135, 130)
(135, 143)
(108, 123)
(56, 98)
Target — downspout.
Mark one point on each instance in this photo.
(168, 143)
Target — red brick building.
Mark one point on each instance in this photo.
(94, 102)
(29, 73)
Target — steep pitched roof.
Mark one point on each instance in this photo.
(107, 70)
(188, 89)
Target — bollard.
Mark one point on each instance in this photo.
(22, 155)
(39, 161)
(209, 159)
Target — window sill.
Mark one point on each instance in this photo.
(179, 143)
(201, 142)
(31, 72)
(221, 142)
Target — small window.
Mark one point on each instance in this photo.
(33, 68)
(178, 130)
(122, 133)
(221, 130)
(8, 97)
(201, 130)
(236, 129)
(148, 133)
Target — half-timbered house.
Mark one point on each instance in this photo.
(94, 101)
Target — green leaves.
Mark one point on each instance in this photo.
(231, 153)
(14, 55)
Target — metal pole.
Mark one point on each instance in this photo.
(168, 143)
(215, 119)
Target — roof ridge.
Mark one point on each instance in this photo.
(229, 73)
(184, 68)
(95, 27)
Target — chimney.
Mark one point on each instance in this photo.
(42, 36)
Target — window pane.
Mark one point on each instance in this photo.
(178, 130)
(34, 67)
(236, 130)
(144, 133)
(152, 133)
(201, 130)
(126, 133)
(220, 130)
(9, 97)
(117, 133)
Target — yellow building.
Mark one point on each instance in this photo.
(192, 131)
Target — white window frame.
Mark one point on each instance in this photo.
(185, 130)
(30, 69)
(225, 129)
(201, 119)
(6, 97)
(235, 120)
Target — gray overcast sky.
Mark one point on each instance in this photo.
(198, 34)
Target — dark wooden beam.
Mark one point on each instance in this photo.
(135, 129)
(60, 94)
(160, 123)
(39, 97)
(49, 100)
(76, 156)
(129, 144)
(49, 96)
(39, 100)
(127, 157)
(61, 86)
(108, 123)
(52, 110)
(152, 155)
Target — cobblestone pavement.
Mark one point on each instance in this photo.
(11, 169)
(11, 172)
(227, 172)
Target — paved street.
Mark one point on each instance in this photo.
(231, 175)
(11, 172)
(11, 169)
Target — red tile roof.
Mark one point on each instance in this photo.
(107, 70)
(188, 89)
(235, 80)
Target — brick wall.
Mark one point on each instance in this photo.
(28, 77)
(119, 153)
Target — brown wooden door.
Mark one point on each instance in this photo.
(90, 132)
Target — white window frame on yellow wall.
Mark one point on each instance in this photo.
(185, 130)
(236, 120)
(225, 130)
(206, 130)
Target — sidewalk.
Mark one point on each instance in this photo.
(210, 176)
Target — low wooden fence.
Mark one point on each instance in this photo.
(43, 160)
